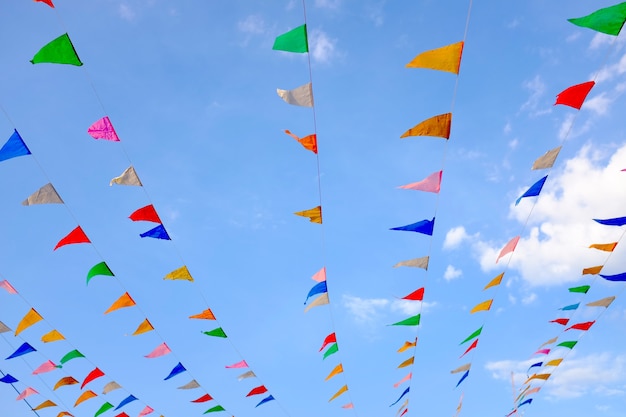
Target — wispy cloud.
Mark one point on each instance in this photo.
(322, 47)
(534, 104)
(126, 12)
(252, 24)
(451, 273)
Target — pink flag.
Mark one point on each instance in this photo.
(8, 287)
(28, 391)
(348, 406)
(406, 378)
(508, 248)
(431, 183)
(241, 364)
(160, 350)
(542, 351)
(146, 411)
(320, 275)
(103, 129)
(45, 367)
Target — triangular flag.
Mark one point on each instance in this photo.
(65, 413)
(4, 328)
(103, 129)
(28, 320)
(314, 214)
(338, 393)
(417, 295)
(465, 375)
(403, 380)
(125, 401)
(13, 147)
(604, 302)
(205, 315)
(616, 278)
(67, 380)
(8, 379)
(22, 350)
(562, 322)
(26, 393)
(245, 375)
(45, 195)
(73, 354)
(147, 213)
(473, 335)
(348, 406)
(331, 338)
(157, 233)
(75, 236)
(336, 370)
(607, 247)
(534, 190)
(407, 345)
(238, 365)
(264, 400)
(190, 385)
(424, 226)
(401, 395)
(581, 326)
(96, 373)
(52, 336)
(446, 58)
(582, 289)
(128, 177)
(496, 281)
(528, 401)
(181, 273)
(7, 287)
(538, 364)
(293, 41)
(543, 377)
(203, 399)
(592, 270)
(99, 269)
(411, 321)
(471, 347)
(214, 409)
(144, 327)
(542, 352)
(318, 288)
(219, 332)
(553, 362)
(85, 396)
(160, 350)
(568, 344)
(45, 404)
(416, 263)
(146, 410)
(484, 306)
(105, 407)
(570, 307)
(309, 142)
(256, 391)
(575, 95)
(124, 301)
(179, 368)
(407, 362)
(320, 275)
(334, 348)
(437, 126)
(608, 20)
(617, 221)
(430, 184)
(47, 366)
(461, 368)
(299, 96)
(319, 301)
(58, 51)
(547, 159)
(508, 248)
(48, 2)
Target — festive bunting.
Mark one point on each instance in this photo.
(26, 393)
(293, 41)
(562, 322)
(47, 366)
(320, 275)
(554, 362)
(111, 386)
(407, 345)
(7, 287)
(547, 160)
(248, 374)
(411, 321)
(160, 350)
(124, 301)
(144, 327)
(128, 177)
(570, 307)
(314, 214)
(14, 147)
(257, 390)
(604, 302)
(22, 350)
(45, 404)
(190, 385)
(461, 368)
(568, 344)
(75, 236)
(408, 362)
(471, 347)
(618, 277)
(334, 348)
(299, 96)
(608, 20)
(607, 247)
(45, 195)
(575, 95)
(417, 295)
(96, 373)
(205, 398)
(103, 129)
(71, 355)
(331, 338)
(581, 326)
(147, 213)
(157, 233)
(214, 409)
(28, 320)
(319, 301)
(494, 282)
(534, 190)
(446, 58)
(484, 306)
(8, 379)
(125, 401)
(473, 335)
(240, 364)
(403, 380)
(181, 273)
(508, 248)
(99, 269)
(264, 400)
(205, 315)
(437, 126)
(67, 380)
(617, 221)
(219, 332)
(582, 289)
(318, 288)
(406, 391)
(424, 226)
(430, 184)
(465, 375)
(85, 396)
(179, 368)
(416, 263)
(593, 270)
(338, 393)
(52, 336)
(105, 407)
(57, 51)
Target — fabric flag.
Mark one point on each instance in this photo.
(562, 322)
(461, 368)
(407, 345)
(144, 327)
(26, 393)
(179, 368)
(52, 336)
(553, 362)
(331, 338)
(608, 20)
(617, 221)
(575, 95)
(592, 270)
(411, 321)
(465, 375)
(85, 396)
(473, 335)
(338, 393)
(508, 248)
(238, 365)
(410, 361)
(581, 326)
(147, 410)
(570, 307)
(415, 263)
(205, 398)
(348, 406)
(538, 364)
(58, 51)
(65, 413)
(105, 407)
(147, 213)
(617, 278)
(45, 195)
(257, 390)
(471, 347)
(543, 377)
(264, 400)
(124, 301)
(190, 385)
(403, 380)
(22, 350)
(417, 295)
(334, 348)
(128, 177)
(219, 332)
(308, 142)
(430, 184)
(446, 58)
(75, 236)
(14, 147)
(125, 401)
(248, 374)
(314, 214)
(73, 354)
(293, 41)
(157, 233)
(320, 275)
(160, 350)
(181, 273)
(406, 391)
(299, 96)
(214, 409)
(7, 287)
(67, 380)
(484, 306)
(28, 320)
(607, 247)
(47, 366)
(45, 404)
(582, 289)
(99, 269)
(205, 315)
(103, 129)
(542, 352)
(406, 410)
(437, 126)
(534, 190)
(494, 282)
(319, 301)
(4, 328)
(318, 288)
(96, 373)
(48, 2)
(604, 302)
(424, 226)
(8, 379)
(568, 344)
(547, 159)
(528, 401)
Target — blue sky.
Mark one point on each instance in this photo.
(191, 90)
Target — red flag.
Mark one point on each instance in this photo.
(404, 412)
(417, 295)
(581, 326)
(203, 399)
(147, 213)
(48, 2)
(331, 338)
(472, 346)
(96, 373)
(575, 95)
(75, 236)
(562, 322)
(258, 390)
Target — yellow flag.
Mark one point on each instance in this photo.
(52, 336)
(537, 376)
(554, 362)
(67, 380)
(407, 345)
(44, 404)
(338, 369)
(446, 58)
(180, 273)
(124, 301)
(85, 396)
(438, 126)
(496, 281)
(593, 270)
(29, 319)
(607, 247)
(338, 393)
(206, 315)
(144, 327)
(407, 362)
(314, 214)
(484, 306)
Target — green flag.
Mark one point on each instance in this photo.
(99, 269)
(71, 355)
(570, 344)
(608, 20)
(106, 406)
(216, 408)
(583, 289)
(332, 349)
(411, 321)
(58, 51)
(293, 41)
(219, 332)
(473, 335)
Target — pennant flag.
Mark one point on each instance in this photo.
(320, 275)
(190, 385)
(534, 190)
(147, 213)
(568, 344)
(58, 51)
(494, 282)
(336, 370)
(71, 355)
(128, 177)
(348, 406)
(581, 326)
(553, 362)
(99, 269)
(4, 328)
(331, 338)
(45, 404)
(314, 214)
(430, 184)
(471, 347)
(407, 362)
(446, 58)
(264, 400)
(484, 306)
(48, 2)
(618, 277)
(528, 401)
(534, 365)
(403, 406)
(582, 289)
(607, 247)
(181, 273)
(473, 335)
(592, 270)
(240, 364)
(411, 321)
(308, 142)
(417, 295)
(147, 410)
(543, 377)
(75, 236)
(160, 350)
(319, 301)
(416, 263)
(105, 407)
(45, 367)
(214, 409)
(52, 336)
(67, 380)
(604, 302)
(103, 129)
(45, 195)
(26, 393)
(219, 332)
(293, 41)
(299, 96)
(205, 398)
(65, 413)
(406, 410)
(111, 386)
(28, 320)
(7, 286)
(407, 345)
(403, 380)
(437, 126)
(508, 248)
(22, 350)
(144, 327)
(575, 95)
(570, 307)
(608, 20)
(205, 315)
(14, 147)
(157, 233)
(96, 373)
(318, 288)
(465, 375)
(125, 401)
(406, 391)
(334, 348)
(562, 322)
(338, 393)
(424, 226)
(179, 368)
(547, 159)
(542, 352)
(85, 396)
(245, 375)
(617, 221)
(124, 301)
(256, 391)
(461, 368)
(8, 379)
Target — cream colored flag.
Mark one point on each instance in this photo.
(190, 385)
(462, 368)
(4, 328)
(111, 386)
(319, 301)
(299, 96)
(547, 160)
(128, 177)
(416, 263)
(45, 195)
(604, 302)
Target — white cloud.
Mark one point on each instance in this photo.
(507, 128)
(451, 273)
(566, 126)
(252, 24)
(537, 89)
(599, 104)
(529, 299)
(514, 143)
(364, 309)
(126, 12)
(411, 308)
(574, 36)
(323, 48)
(327, 4)
(455, 237)
(611, 71)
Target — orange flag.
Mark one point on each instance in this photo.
(144, 327)
(438, 126)
(205, 315)
(314, 214)
(592, 270)
(496, 281)
(28, 320)
(338, 369)
(124, 301)
(309, 142)
(407, 345)
(85, 396)
(52, 336)
(68, 380)
(607, 247)
(338, 393)
(484, 306)
(44, 404)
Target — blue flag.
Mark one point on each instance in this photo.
(618, 221)
(403, 394)
(534, 190)
(177, 370)
(264, 400)
(318, 288)
(8, 379)
(157, 233)
(617, 277)
(22, 350)
(424, 226)
(15, 146)
(462, 378)
(125, 401)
